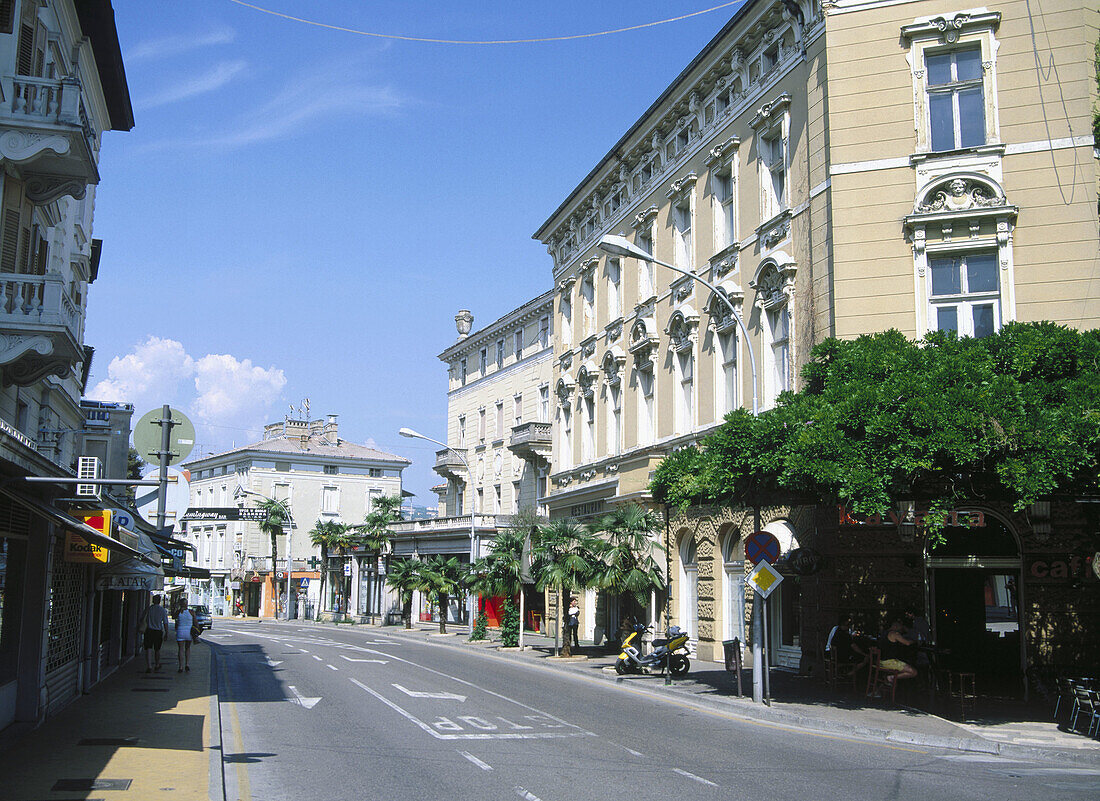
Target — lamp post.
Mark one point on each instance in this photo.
(408, 432)
(239, 495)
(621, 246)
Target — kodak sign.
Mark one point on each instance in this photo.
(78, 549)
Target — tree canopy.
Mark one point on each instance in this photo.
(1013, 417)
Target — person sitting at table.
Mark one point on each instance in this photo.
(849, 656)
(895, 648)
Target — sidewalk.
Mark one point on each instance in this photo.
(155, 735)
(805, 703)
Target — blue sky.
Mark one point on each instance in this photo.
(300, 211)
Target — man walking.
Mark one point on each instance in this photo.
(156, 626)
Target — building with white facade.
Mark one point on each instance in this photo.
(321, 477)
(499, 425)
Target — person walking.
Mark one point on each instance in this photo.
(154, 625)
(573, 620)
(184, 622)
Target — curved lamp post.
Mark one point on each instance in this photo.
(238, 494)
(621, 246)
(408, 432)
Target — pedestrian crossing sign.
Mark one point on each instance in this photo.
(764, 579)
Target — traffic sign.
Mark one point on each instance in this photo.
(761, 546)
(764, 579)
(147, 435)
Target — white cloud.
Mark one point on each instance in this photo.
(213, 79)
(229, 389)
(177, 45)
(156, 365)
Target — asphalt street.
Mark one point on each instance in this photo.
(329, 713)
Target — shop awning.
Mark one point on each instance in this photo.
(133, 574)
(72, 524)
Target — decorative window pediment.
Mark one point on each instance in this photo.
(958, 193)
(565, 285)
(721, 154)
(770, 112)
(586, 379)
(588, 266)
(564, 389)
(682, 327)
(948, 30)
(613, 362)
(642, 343)
(721, 317)
(643, 220)
(774, 281)
(681, 187)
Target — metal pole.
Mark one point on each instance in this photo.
(757, 633)
(521, 614)
(767, 667)
(165, 424)
(289, 561)
(470, 600)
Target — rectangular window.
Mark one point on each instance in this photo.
(330, 500)
(498, 501)
(462, 431)
(517, 410)
(565, 307)
(331, 469)
(460, 499)
(544, 332)
(965, 293)
(614, 419)
(685, 399)
(681, 233)
(375, 472)
(614, 289)
(481, 424)
(462, 372)
(956, 98)
(544, 404)
(726, 386)
(647, 286)
(565, 453)
(588, 303)
(500, 420)
(773, 173)
(480, 500)
(515, 497)
(517, 346)
(373, 495)
(500, 354)
(483, 361)
(780, 352)
(646, 407)
(724, 208)
(588, 440)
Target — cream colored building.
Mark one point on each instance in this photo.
(499, 406)
(834, 170)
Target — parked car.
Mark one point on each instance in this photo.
(202, 617)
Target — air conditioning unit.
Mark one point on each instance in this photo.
(88, 467)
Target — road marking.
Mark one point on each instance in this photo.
(475, 760)
(441, 696)
(526, 795)
(300, 699)
(319, 659)
(448, 725)
(273, 663)
(629, 750)
(693, 777)
(375, 661)
(332, 667)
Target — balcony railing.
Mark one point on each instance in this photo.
(532, 441)
(449, 464)
(441, 525)
(39, 323)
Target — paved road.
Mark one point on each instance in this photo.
(333, 714)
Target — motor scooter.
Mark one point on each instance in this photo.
(670, 653)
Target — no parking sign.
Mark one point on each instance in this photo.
(761, 546)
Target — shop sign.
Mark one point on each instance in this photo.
(586, 509)
(78, 549)
(966, 519)
(133, 582)
(347, 568)
(224, 514)
(234, 585)
(1062, 566)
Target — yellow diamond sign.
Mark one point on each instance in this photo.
(764, 579)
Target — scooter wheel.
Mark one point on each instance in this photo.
(679, 665)
(620, 667)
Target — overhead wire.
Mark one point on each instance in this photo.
(431, 40)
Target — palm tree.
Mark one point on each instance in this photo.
(627, 551)
(373, 533)
(276, 513)
(476, 580)
(404, 576)
(442, 577)
(565, 557)
(328, 535)
(505, 576)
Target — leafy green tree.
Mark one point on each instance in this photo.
(373, 533)
(329, 536)
(477, 581)
(1011, 418)
(441, 577)
(505, 564)
(276, 514)
(626, 550)
(404, 577)
(565, 557)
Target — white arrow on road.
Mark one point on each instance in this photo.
(301, 700)
(272, 663)
(376, 661)
(443, 696)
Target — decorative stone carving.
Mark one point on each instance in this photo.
(615, 331)
(726, 262)
(960, 194)
(588, 266)
(43, 189)
(613, 362)
(587, 475)
(682, 328)
(588, 347)
(564, 390)
(565, 285)
(642, 343)
(566, 360)
(19, 146)
(498, 464)
(950, 28)
(14, 346)
(586, 379)
(723, 152)
(776, 234)
(721, 317)
(774, 281)
(769, 110)
(682, 288)
(643, 220)
(682, 186)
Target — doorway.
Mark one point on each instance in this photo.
(973, 582)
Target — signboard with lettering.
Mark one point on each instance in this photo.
(224, 513)
(78, 549)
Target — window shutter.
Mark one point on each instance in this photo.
(7, 15)
(41, 256)
(23, 264)
(25, 58)
(10, 244)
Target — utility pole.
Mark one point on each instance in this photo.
(757, 632)
(165, 422)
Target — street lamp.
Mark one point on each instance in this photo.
(621, 246)
(408, 432)
(239, 495)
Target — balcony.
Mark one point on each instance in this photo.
(41, 328)
(532, 442)
(44, 128)
(449, 464)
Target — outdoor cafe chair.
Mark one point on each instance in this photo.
(1088, 703)
(877, 676)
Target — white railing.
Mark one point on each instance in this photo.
(440, 524)
(46, 100)
(37, 299)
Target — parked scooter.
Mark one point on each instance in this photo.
(670, 653)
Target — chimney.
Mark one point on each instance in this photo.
(463, 322)
(331, 429)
